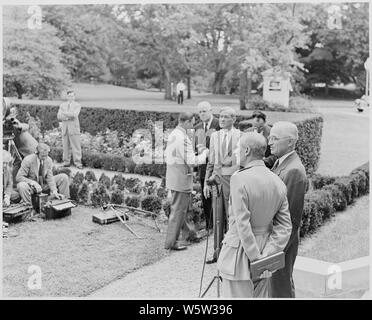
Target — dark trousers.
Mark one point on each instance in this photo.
(282, 285)
(180, 218)
(207, 207)
(220, 209)
(180, 97)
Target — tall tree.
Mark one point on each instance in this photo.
(32, 62)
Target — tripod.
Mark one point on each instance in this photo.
(12, 148)
(217, 277)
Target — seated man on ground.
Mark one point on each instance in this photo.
(36, 176)
(9, 194)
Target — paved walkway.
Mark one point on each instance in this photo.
(175, 276)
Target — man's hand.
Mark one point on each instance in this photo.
(266, 274)
(57, 195)
(36, 187)
(206, 190)
(6, 200)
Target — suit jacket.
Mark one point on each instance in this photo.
(69, 118)
(29, 171)
(259, 220)
(24, 141)
(293, 174)
(180, 160)
(218, 163)
(202, 137)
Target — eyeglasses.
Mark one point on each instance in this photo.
(275, 139)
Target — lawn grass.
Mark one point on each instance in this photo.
(343, 237)
(76, 256)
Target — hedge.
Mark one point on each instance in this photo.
(99, 119)
(320, 204)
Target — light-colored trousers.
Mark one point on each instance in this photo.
(62, 183)
(71, 145)
(179, 218)
(245, 288)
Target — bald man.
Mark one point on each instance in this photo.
(35, 175)
(203, 130)
(221, 165)
(282, 140)
(259, 221)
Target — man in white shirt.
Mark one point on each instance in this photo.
(180, 160)
(223, 162)
(68, 113)
(180, 89)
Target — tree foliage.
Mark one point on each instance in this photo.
(32, 62)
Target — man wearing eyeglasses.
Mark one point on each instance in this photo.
(289, 168)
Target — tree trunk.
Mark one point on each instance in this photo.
(218, 82)
(249, 86)
(167, 86)
(188, 84)
(243, 90)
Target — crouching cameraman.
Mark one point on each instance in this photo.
(23, 140)
(35, 176)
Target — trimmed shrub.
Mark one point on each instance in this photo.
(197, 207)
(162, 193)
(61, 170)
(318, 181)
(133, 185)
(78, 178)
(322, 203)
(83, 193)
(100, 196)
(117, 197)
(338, 198)
(90, 176)
(150, 188)
(152, 204)
(309, 141)
(105, 180)
(132, 202)
(119, 181)
(74, 189)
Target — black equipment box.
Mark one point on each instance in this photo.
(106, 217)
(16, 211)
(55, 209)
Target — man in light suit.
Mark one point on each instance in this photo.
(35, 175)
(288, 167)
(180, 160)
(68, 113)
(203, 131)
(221, 165)
(259, 221)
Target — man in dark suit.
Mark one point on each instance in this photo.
(288, 167)
(260, 126)
(203, 131)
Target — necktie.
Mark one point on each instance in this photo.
(276, 164)
(205, 127)
(224, 139)
(41, 169)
